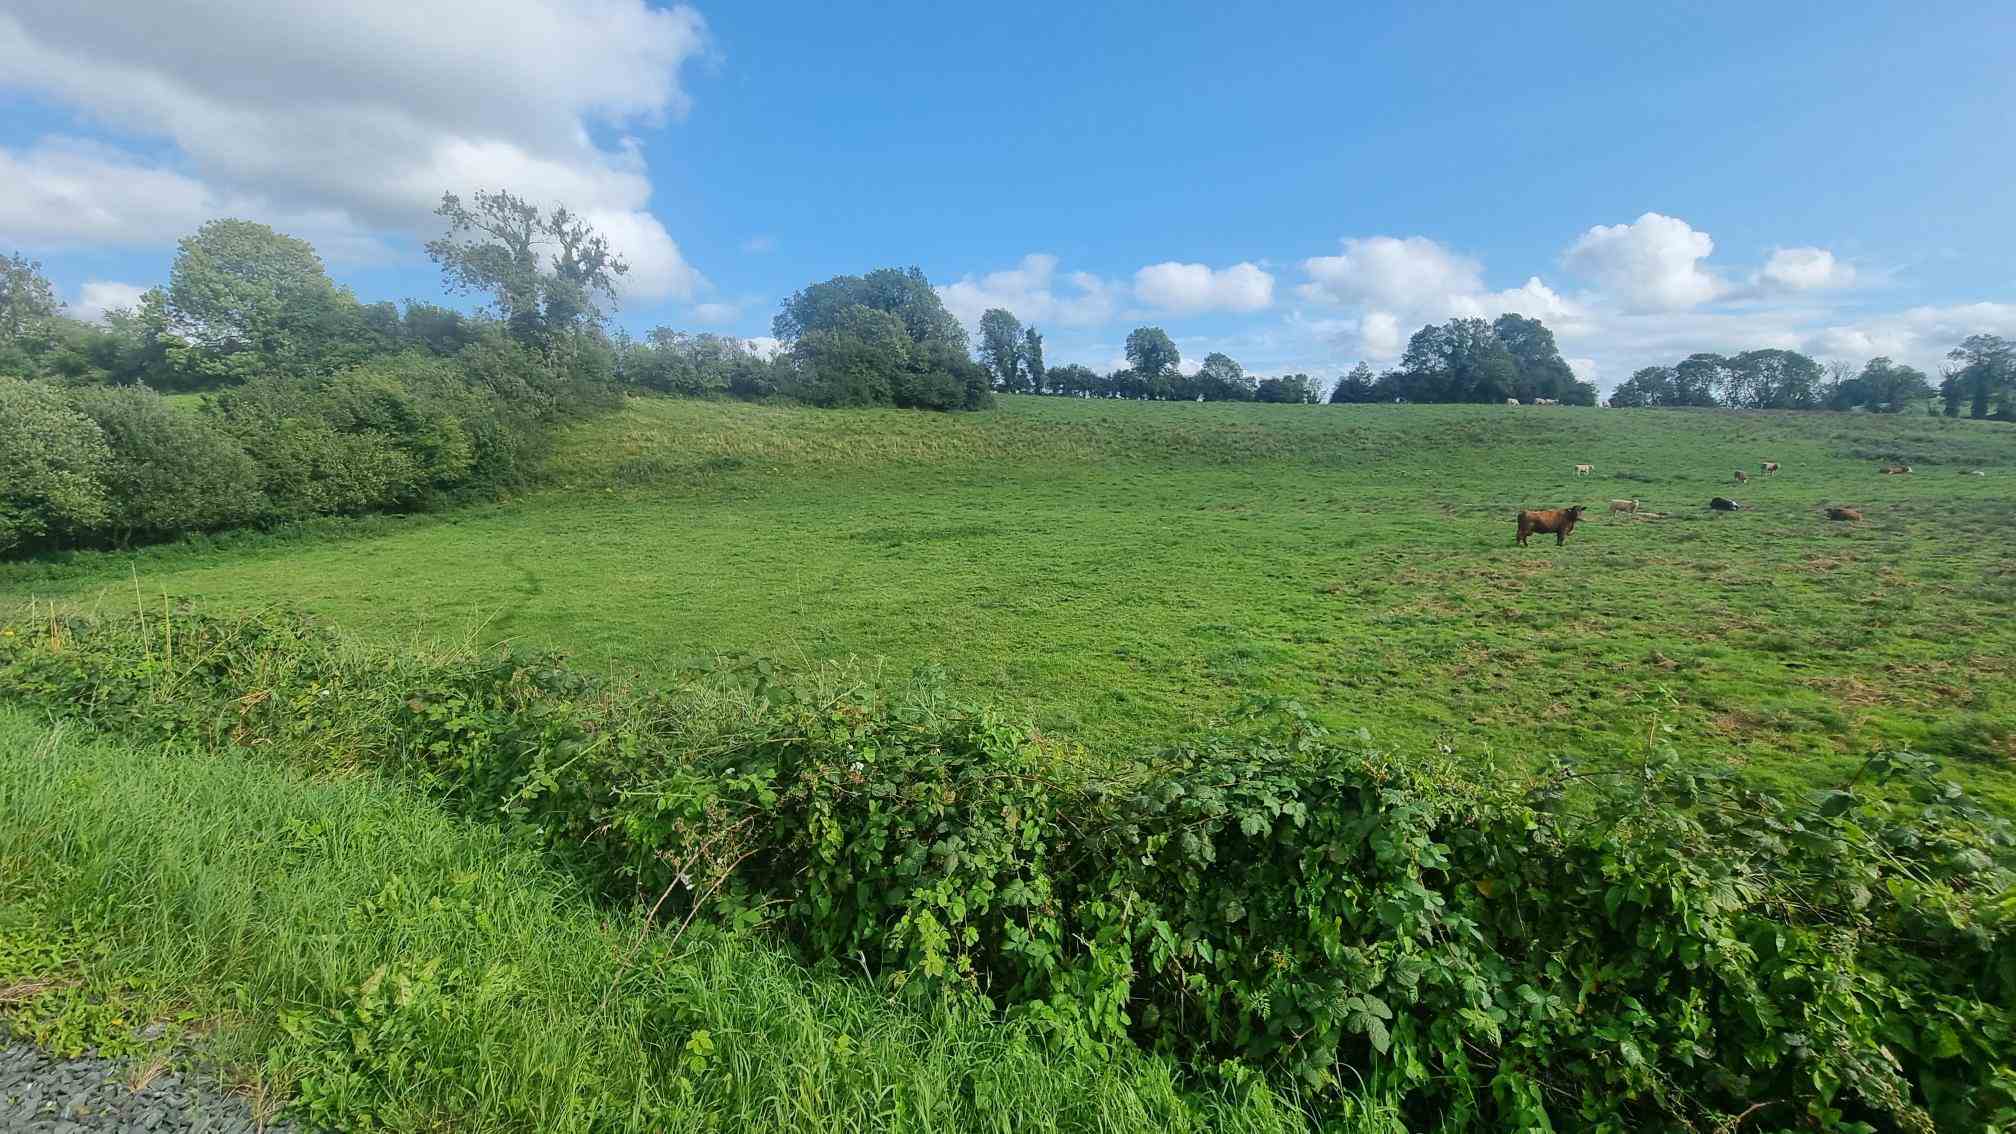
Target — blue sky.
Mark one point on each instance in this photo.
(1300, 185)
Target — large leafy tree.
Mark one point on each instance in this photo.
(28, 304)
(860, 355)
(1772, 379)
(243, 299)
(1881, 385)
(1458, 361)
(1033, 373)
(1542, 372)
(1001, 348)
(548, 272)
(1696, 379)
(1650, 386)
(1151, 353)
(1984, 372)
(1355, 388)
(1293, 389)
(903, 293)
(1221, 379)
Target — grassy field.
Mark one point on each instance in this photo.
(1125, 573)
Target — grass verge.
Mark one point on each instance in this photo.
(348, 948)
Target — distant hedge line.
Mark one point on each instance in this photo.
(1662, 948)
(108, 466)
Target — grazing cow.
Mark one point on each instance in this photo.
(1741, 476)
(1724, 504)
(1511, 401)
(1560, 521)
(1584, 470)
(1849, 514)
(1623, 505)
(1770, 466)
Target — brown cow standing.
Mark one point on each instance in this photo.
(1770, 466)
(1741, 476)
(1560, 521)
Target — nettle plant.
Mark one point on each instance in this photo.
(1649, 945)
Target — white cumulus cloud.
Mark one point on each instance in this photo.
(1400, 283)
(1651, 264)
(1035, 292)
(1380, 333)
(97, 297)
(1805, 269)
(1919, 336)
(1395, 273)
(1190, 289)
(355, 115)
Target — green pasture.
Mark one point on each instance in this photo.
(1126, 573)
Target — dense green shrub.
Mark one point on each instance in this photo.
(52, 466)
(398, 432)
(170, 472)
(831, 368)
(1665, 949)
(869, 361)
(315, 456)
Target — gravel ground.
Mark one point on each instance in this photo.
(39, 1093)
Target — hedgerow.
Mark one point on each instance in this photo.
(1661, 948)
(108, 466)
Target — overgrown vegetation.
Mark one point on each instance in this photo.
(1983, 370)
(325, 407)
(1645, 948)
(337, 946)
(110, 466)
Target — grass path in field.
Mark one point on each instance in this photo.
(1123, 574)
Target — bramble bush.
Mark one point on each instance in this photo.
(1653, 946)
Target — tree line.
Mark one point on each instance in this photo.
(1981, 380)
(879, 339)
(316, 405)
(1463, 360)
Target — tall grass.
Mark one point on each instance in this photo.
(358, 952)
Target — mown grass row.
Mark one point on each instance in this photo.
(344, 949)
